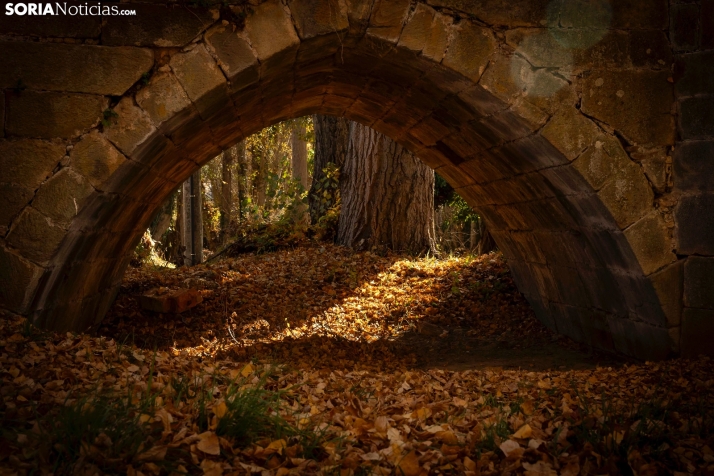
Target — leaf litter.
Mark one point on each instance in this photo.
(319, 360)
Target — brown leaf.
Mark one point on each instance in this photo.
(208, 443)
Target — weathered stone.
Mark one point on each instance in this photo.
(61, 67)
(694, 219)
(628, 196)
(235, 57)
(427, 32)
(668, 284)
(35, 236)
(694, 166)
(62, 196)
(13, 198)
(637, 103)
(699, 282)
(387, 19)
(163, 98)
(53, 26)
(707, 26)
(634, 15)
(571, 132)
(540, 48)
(501, 12)
(651, 242)
(649, 49)
(131, 127)
(96, 159)
(684, 27)
(170, 301)
(697, 118)
(202, 80)
(157, 25)
(640, 339)
(601, 160)
(697, 74)
(29, 162)
(470, 48)
(697, 332)
(270, 29)
(655, 165)
(319, 17)
(48, 114)
(18, 279)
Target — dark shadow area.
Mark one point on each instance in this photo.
(325, 306)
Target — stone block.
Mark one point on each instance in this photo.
(52, 26)
(18, 280)
(501, 12)
(202, 80)
(13, 198)
(694, 166)
(694, 225)
(73, 68)
(270, 30)
(132, 127)
(427, 32)
(29, 162)
(668, 284)
(62, 196)
(387, 19)
(35, 236)
(96, 159)
(684, 27)
(699, 282)
(656, 166)
(319, 17)
(695, 74)
(628, 196)
(637, 103)
(697, 332)
(48, 114)
(651, 242)
(541, 48)
(157, 25)
(571, 132)
(163, 99)
(170, 301)
(640, 340)
(696, 117)
(235, 57)
(601, 161)
(649, 49)
(707, 26)
(469, 50)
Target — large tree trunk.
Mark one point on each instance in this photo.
(226, 194)
(162, 220)
(387, 196)
(332, 135)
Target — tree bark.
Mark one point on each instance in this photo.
(387, 196)
(226, 194)
(299, 170)
(162, 220)
(192, 220)
(332, 135)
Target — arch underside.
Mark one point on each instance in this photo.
(568, 255)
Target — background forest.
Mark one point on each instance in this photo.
(285, 184)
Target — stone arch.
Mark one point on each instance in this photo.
(556, 135)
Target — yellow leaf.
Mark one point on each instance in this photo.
(220, 409)
(469, 464)
(276, 446)
(208, 443)
(524, 432)
(409, 465)
(247, 370)
(143, 418)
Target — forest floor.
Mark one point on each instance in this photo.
(320, 360)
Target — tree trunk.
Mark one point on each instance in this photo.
(332, 135)
(226, 194)
(162, 220)
(299, 170)
(387, 196)
(486, 243)
(192, 220)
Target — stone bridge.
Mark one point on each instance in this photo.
(582, 130)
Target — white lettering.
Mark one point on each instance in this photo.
(8, 9)
(32, 10)
(20, 6)
(61, 8)
(73, 10)
(48, 10)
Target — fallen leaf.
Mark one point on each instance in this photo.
(208, 443)
(409, 465)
